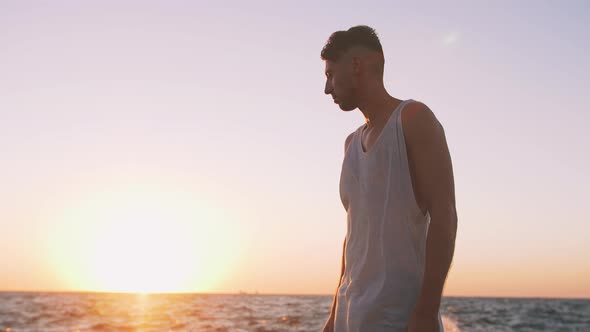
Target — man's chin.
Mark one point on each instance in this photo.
(346, 108)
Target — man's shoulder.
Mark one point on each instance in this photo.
(421, 127)
(418, 119)
(416, 109)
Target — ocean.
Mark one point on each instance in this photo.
(48, 312)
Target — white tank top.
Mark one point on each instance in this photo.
(386, 235)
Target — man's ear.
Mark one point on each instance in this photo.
(356, 64)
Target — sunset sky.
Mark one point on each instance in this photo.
(187, 146)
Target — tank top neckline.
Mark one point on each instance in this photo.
(378, 140)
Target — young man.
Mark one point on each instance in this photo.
(398, 191)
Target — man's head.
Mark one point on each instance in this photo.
(354, 61)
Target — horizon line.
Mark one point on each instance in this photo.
(273, 294)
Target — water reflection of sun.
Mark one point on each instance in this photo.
(139, 241)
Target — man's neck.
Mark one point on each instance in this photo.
(377, 108)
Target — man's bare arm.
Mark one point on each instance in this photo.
(434, 187)
(329, 326)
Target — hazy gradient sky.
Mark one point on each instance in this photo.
(111, 108)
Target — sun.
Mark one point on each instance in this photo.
(143, 241)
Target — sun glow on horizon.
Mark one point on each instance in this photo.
(142, 241)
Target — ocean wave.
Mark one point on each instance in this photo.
(57, 312)
(449, 324)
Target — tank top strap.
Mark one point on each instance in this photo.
(398, 116)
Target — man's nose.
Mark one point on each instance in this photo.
(328, 88)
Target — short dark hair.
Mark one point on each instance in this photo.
(342, 41)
